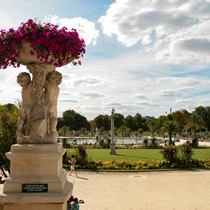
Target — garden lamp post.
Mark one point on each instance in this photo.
(170, 127)
(112, 144)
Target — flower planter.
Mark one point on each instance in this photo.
(26, 57)
(36, 43)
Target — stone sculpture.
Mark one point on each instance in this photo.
(38, 116)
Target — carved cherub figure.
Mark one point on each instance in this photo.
(24, 80)
(53, 79)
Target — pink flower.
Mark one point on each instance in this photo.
(45, 40)
(30, 22)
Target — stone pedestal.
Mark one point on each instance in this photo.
(37, 180)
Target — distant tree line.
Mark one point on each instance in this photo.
(182, 123)
(179, 122)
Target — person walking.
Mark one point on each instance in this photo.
(73, 164)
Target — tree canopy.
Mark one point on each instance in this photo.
(8, 120)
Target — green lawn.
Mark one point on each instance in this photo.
(134, 154)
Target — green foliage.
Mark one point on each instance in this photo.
(102, 122)
(65, 160)
(194, 143)
(118, 120)
(153, 125)
(105, 143)
(170, 154)
(73, 120)
(186, 152)
(136, 165)
(8, 120)
(152, 144)
(184, 160)
(179, 122)
(81, 155)
(195, 122)
(145, 143)
(140, 131)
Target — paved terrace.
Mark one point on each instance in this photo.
(143, 191)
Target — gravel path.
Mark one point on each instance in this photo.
(143, 191)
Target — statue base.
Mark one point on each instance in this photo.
(37, 180)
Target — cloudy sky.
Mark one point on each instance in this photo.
(143, 56)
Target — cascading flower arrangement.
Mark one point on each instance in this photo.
(48, 43)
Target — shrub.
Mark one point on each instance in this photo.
(65, 160)
(81, 155)
(194, 143)
(145, 143)
(170, 154)
(185, 160)
(186, 152)
(153, 144)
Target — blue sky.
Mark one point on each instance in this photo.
(142, 56)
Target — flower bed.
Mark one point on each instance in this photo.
(47, 43)
(139, 165)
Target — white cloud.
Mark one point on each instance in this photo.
(91, 94)
(177, 31)
(17, 11)
(85, 28)
(147, 103)
(63, 100)
(176, 92)
(93, 81)
(191, 45)
(139, 96)
(183, 101)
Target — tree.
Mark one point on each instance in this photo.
(102, 121)
(140, 131)
(64, 131)
(8, 119)
(137, 120)
(118, 120)
(74, 120)
(81, 122)
(204, 113)
(194, 123)
(180, 119)
(129, 122)
(208, 120)
(153, 125)
(60, 123)
(170, 128)
(123, 130)
(161, 130)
